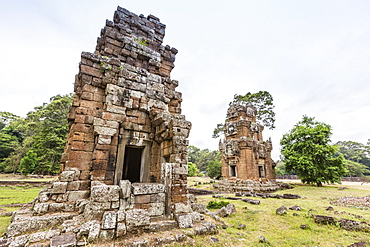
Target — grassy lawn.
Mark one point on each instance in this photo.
(200, 183)
(260, 220)
(285, 230)
(15, 177)
(15, 195)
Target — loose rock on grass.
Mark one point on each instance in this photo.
(282, 210)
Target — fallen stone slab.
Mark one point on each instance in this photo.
(251, 201)
(325, 220)
(291, 196)
(207, 228)
(196, 191)
(65, 240)
(352, 225)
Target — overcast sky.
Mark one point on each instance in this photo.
(313, 56)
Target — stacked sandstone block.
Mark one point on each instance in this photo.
(245, 156)
(124, 96)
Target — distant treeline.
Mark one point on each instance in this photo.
(356, 155)
(34, 144)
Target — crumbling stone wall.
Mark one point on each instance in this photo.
(124, 169)
(245, 156)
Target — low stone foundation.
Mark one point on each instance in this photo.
(60, 217)
(238, 185)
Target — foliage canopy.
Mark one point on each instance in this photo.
(35, 144)
(262, 101)
(306, 151)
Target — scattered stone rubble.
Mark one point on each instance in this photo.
(346, 224)
(358, 202)
(124, 169)
(248, 185)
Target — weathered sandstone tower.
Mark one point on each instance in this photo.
(246, 158)
(124, 169)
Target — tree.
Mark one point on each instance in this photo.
(355, 169)
(8, 144)
(47, 127)
(28, 163)
(280, 169)
(193, 153)
(263, 102)
(214, 169)
(43, 133)
(192, 170)
(306, 151)
(355, 151)
(6, 118)
(202, 158)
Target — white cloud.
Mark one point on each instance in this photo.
(312, 56)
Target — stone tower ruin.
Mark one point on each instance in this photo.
(124, 169)
(246, 158)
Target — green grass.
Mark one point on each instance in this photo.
(285, 230)
(23, 179)
(15, 195)
(261, 219)
(4, 223)
(193, 182)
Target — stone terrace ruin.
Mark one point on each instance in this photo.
(246, 158)
(124, 169)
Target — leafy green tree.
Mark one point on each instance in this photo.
(306, 151)
(263, 102)
(202, 157)
(192, 170)
(214, 169)
(43, 132)
(193, 153)
(355, 151)
(10, 138)
(49, 128)
(28, 163)
(280, 169)
(6, 118)
(8, 144)
(355, 169)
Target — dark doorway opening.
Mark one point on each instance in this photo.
(132, 164)
(261, 171)
(232, 171)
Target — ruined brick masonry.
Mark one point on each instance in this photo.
(246, 158)
(124, 168)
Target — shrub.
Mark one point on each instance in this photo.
(217, 204)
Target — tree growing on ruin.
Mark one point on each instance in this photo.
(306, 150)
(262, 101)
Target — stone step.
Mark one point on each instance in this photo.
(163, 225)
(35, 223)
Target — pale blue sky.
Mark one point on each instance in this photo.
(312, 56)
